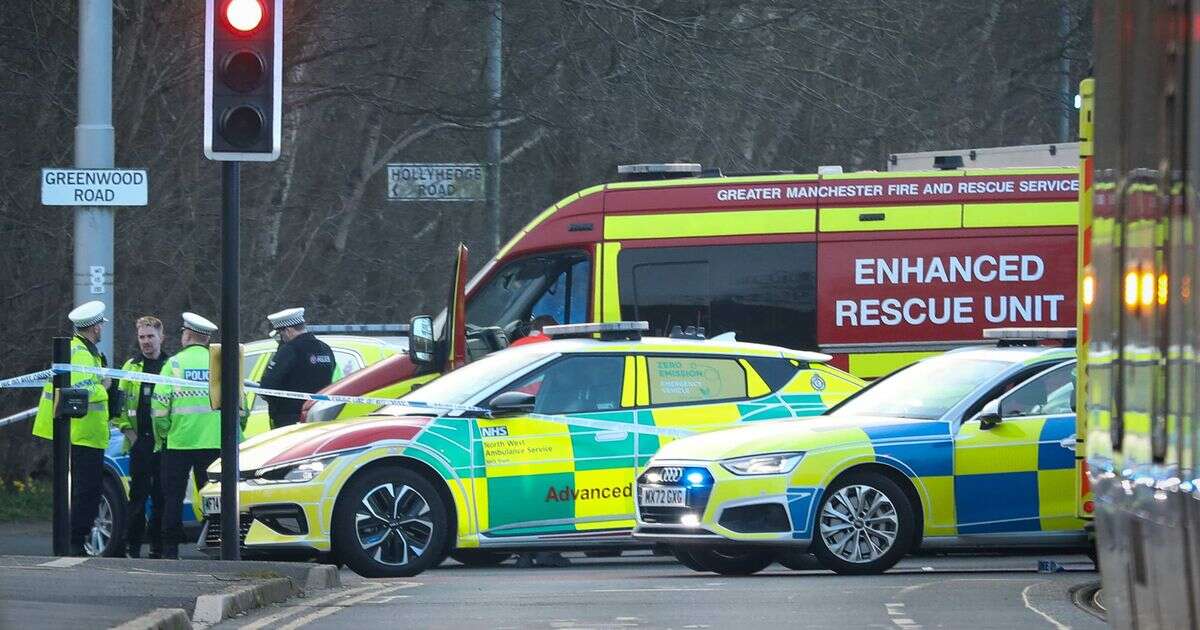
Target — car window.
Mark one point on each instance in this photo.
(694, 379)
(576, 384)
(348, 362)
(925, 390)
(1051, 392)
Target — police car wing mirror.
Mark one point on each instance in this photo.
(989, 416)
(420, 340)
(512, 403)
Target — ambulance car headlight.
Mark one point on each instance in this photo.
(324, 411)
(295, 472)
(769, 464)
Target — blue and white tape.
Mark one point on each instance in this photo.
(33, 379)
(441, 408)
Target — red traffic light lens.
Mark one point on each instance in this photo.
(244, 16)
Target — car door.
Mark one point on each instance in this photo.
(568, 466)
(1019, 475)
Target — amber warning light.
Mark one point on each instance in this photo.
(244, 15)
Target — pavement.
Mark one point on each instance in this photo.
(640, 591)
(38, 591)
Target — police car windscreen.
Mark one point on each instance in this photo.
(462, 384)
(926, 390)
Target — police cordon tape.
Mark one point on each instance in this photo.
(158, 379)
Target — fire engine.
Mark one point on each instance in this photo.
(877, 269)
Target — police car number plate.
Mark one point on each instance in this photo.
(211, 505)
(662, 496)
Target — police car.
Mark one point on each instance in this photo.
(972, 447)
(540, 452)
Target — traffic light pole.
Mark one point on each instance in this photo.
(230, 360)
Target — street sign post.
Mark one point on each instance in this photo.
(435, 182)
(94, 187)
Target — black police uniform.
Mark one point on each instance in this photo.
(304, 364)
(145, 471)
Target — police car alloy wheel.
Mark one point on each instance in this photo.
(108, 530)
(864, 526)
(390, 522)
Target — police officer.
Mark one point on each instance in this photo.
(89, 434)
(185, 420)
(303, 363)
(136, 422)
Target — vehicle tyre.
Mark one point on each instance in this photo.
(390, 522)
(799, 561)
(732, 560)
(864, 525)
(108, 530)
(480, 558)
(686, 559)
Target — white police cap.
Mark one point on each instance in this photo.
(286, 317)
(87, 314)
(196, 323)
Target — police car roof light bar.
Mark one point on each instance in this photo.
(608, 331)
(1065, 336)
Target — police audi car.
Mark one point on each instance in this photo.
(541, 452)
(971, 447)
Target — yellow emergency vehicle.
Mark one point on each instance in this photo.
(540, 453)
(972, 448)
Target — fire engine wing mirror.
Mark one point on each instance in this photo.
(510, 403)
(420, 340)
(989, 416)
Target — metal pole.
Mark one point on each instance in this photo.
(230, 363)
(495, 48)
(1064, 70)
(61, 353)
(93, 266)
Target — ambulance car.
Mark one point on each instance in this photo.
(540, 453)
(974, 447)
(876, 269)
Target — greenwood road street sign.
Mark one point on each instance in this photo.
(94, 187)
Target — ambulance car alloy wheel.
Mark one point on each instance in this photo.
(479, 557)
(864, 526)
(108, 530)
(730, 559)
(390, 522)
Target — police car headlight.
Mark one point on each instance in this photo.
(324, 411)
(296, 472)
(770, 464)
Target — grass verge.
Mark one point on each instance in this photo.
(26, 501)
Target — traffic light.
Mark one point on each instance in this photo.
(243, 79)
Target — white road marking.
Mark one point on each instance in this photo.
(1025, 598)
(384, 600)
(63, 563)
(325, 611)
(647, 590)
(304, 604)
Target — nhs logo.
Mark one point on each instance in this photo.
(196, 374)
(487, 432)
